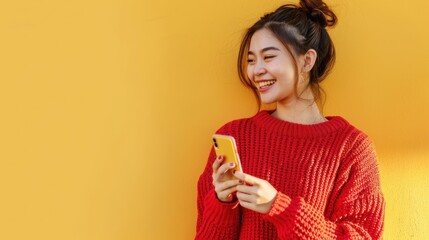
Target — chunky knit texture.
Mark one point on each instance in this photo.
(326, 176)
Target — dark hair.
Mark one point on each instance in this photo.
(300, 27)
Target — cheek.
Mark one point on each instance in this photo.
(285, 73)
(250, 73)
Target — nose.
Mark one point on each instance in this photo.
(259, 68)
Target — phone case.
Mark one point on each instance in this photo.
(225, 146)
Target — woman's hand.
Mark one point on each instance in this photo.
(256, 194)
(224, 187)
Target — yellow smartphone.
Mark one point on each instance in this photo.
(225, 146)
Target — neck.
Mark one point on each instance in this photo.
(299, 111)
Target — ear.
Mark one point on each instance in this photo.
(309, 60)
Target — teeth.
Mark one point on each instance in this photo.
(266, 83)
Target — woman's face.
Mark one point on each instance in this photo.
(271, 68)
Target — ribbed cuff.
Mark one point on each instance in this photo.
(281, 203)
(220, 213)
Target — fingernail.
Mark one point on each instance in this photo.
(231, 164)
(241, 182)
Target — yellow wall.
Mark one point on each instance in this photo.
(107, 108)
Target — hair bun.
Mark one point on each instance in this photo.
(319, 12)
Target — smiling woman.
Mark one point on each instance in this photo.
(305, 176)
(298, 39)
(272, 71)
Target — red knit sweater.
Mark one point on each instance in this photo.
(326, 176)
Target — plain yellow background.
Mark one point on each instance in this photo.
(107, 108)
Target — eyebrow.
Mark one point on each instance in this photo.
(265, 49)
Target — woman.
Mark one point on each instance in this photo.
(306, 176)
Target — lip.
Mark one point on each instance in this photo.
(264, 89)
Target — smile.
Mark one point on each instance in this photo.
(263, 84)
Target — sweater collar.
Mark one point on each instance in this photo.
(272, 124)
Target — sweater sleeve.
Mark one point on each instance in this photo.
(216, 220)
(355, 211)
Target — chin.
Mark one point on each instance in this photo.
(268, 101)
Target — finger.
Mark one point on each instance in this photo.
(226, 185)
(223, 169)
(251, 190)
(247, 178)
(246, 197)
(247, 205)
(226, 195)
(217, 163)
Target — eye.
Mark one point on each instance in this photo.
(250, 60)
(269, 57)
